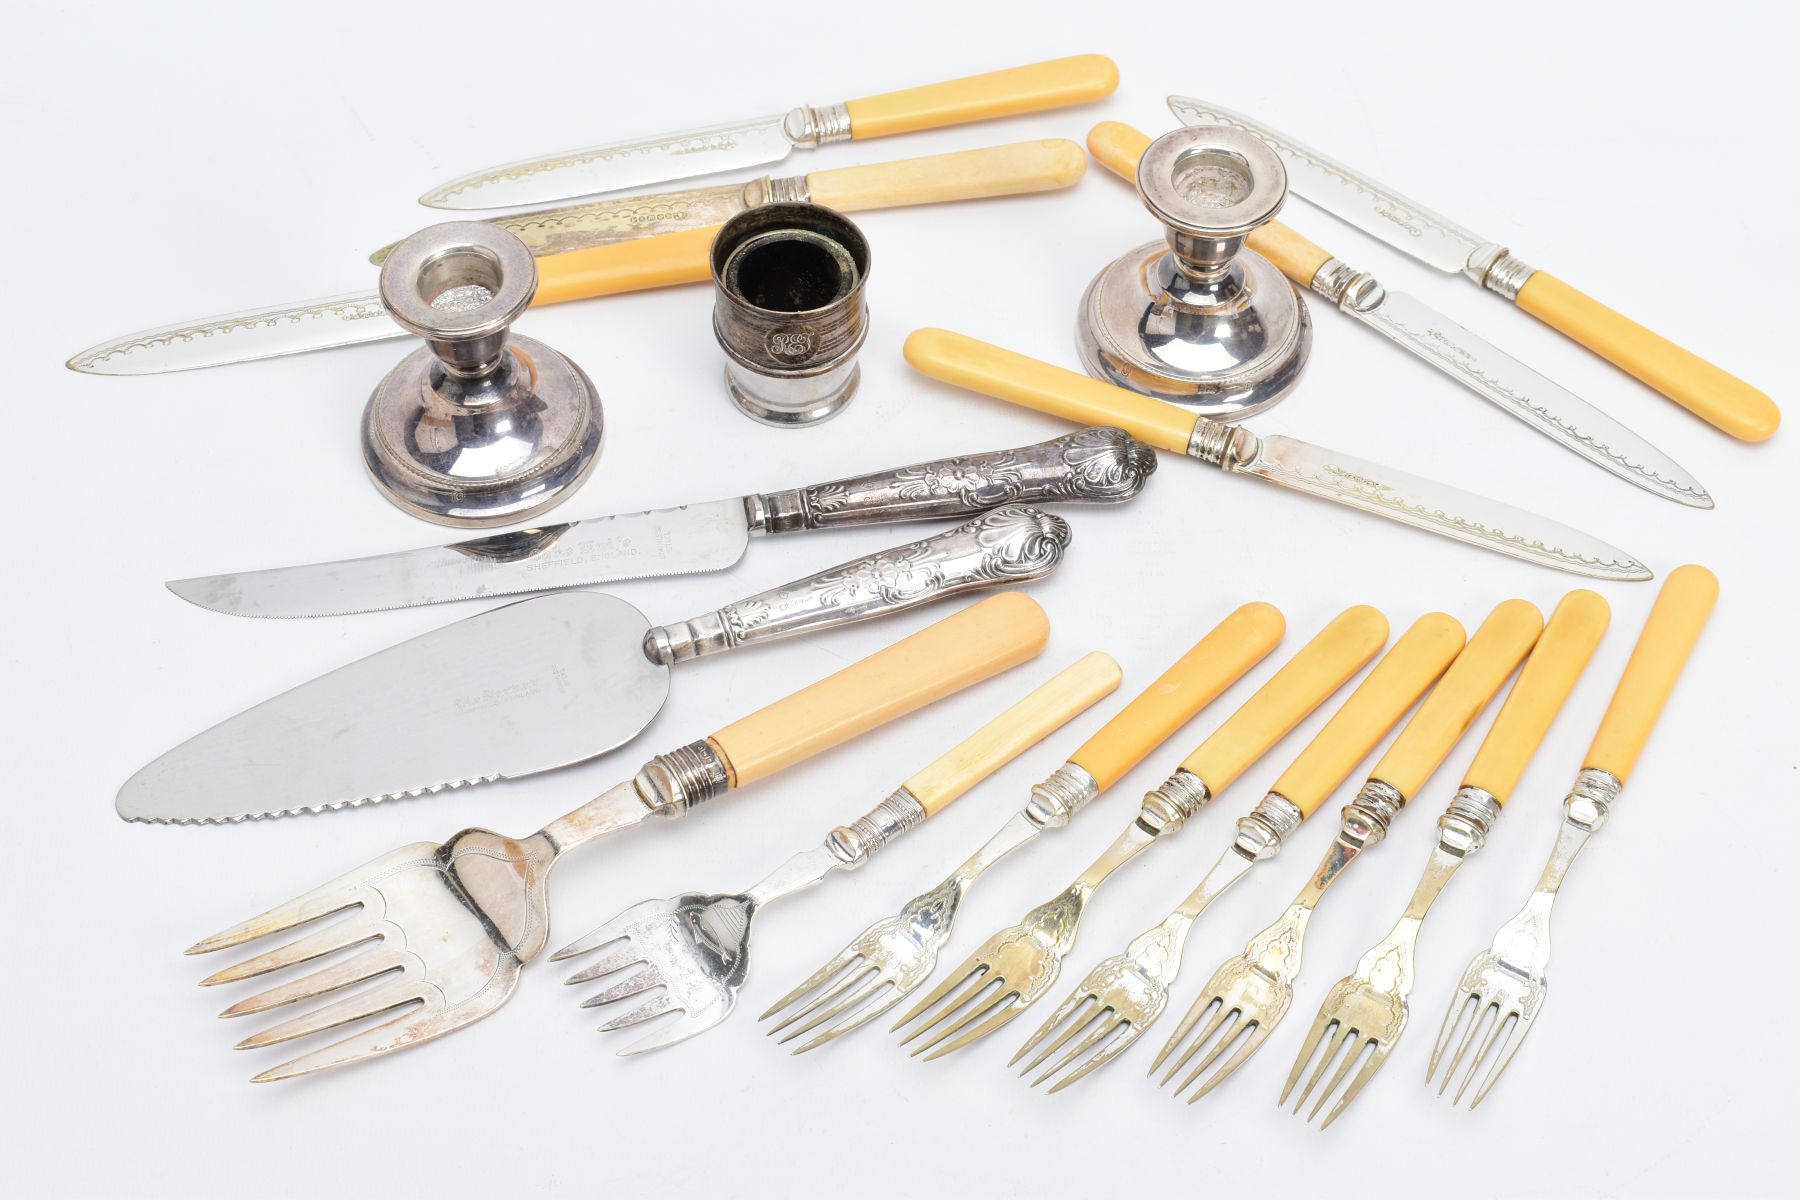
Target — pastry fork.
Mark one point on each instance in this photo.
(1248, 995)
(1504, 986)
(1365, 1013)
(690, 954)
(442, 932)
(1124, 994)
(890, 958)
(1016, 966)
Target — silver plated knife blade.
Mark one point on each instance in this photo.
(1370, 206)
(618, 165)
(428, 714)
(669, 541)
(1431, 506)
(1542, 403)
(259, 333)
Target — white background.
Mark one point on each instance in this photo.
(172, 161)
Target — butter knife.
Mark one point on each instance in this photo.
(1715, 396)
(1092, 466)
(1481, 367)
(599, 269)
(1288, 462)
(732, 147)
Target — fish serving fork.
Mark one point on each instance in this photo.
(1365, 1013)
(1249, 994)
(1124, 994)
(1503, 988)
(442, 932)
(690, 954)
(1016, 966)
(884, 963)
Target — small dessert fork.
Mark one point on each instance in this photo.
(1365, 1012)
(1248, 995)
(1504, 986)
(894, 955)
(1017, 965)
(1122, 996)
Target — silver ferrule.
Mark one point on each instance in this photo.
(1261, 831)
(706, 634)
(1056, 800)
(1221, 445)
(1365, 820)
(672, 783)
(1495, 268)
(1168, 807)
(812, 125)
(1347, 287)
(783, 189)
(1464, 827)
(776, 512)
(1591, 799)
(856, 843)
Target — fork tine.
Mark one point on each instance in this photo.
(1313, 1037)
(625, 956)
(339, 936)
(1214, 1005)
(1081, 1002)
(1354, 1042)
(1220, 1035)
(971, 981)
(631, 985)
(1259, 1033)
(1501, 1032)
(371, 1002)
(360, 969)
(1369, 1067)
(1511, 1048)
(1002, 1010)
(1106, 1044)
(818, 980)
(322, 901)
(1484, 1010)
(847, 982)
(671, 1032)
(1460, 1006)
(408, 1029)
(656, 1006)
(869, 983)
(857, 1020)
(1192, 1017)
(607, 931)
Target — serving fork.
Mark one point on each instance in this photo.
(441, 932)
(1016, 966)
(689, 954)
(884, 963)
(1124, 994)
(1503, 988)
(1365, 1013)
(1249, 994)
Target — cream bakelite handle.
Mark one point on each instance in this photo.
(1213, 664)
(1054, 84)
(1005, 375)
(977, 643)
(1714, 395)
(1394, 686)
(1014, 731)
(1304, 682)
(1117, 147)
(1561, 654)
(1676, 619)
(1013, 170)
(1497, 648)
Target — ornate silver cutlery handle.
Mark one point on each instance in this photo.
(1014, 544)
(1100, 465)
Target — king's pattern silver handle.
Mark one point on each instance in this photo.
(1014, 544)
(1101, 465)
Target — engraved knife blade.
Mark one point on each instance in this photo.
(1350, 195)
(1425, 504)
(258, 333)
(618, 165)
(1515, 388)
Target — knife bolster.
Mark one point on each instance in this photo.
(672, 783)
(809, 126)
(1495, 268)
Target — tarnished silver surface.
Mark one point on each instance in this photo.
(1016, 966)
(886, 961)
(1249, 994)
(476, 429)
(1101, 465)
(1124, 994)
(445, 929)
(1509, 384)
(1504, 986)
(790, 310)
(1365, 1013)
(537, 684)
(693, 949)
(1198, 320)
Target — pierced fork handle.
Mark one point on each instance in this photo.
(1014, 544)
